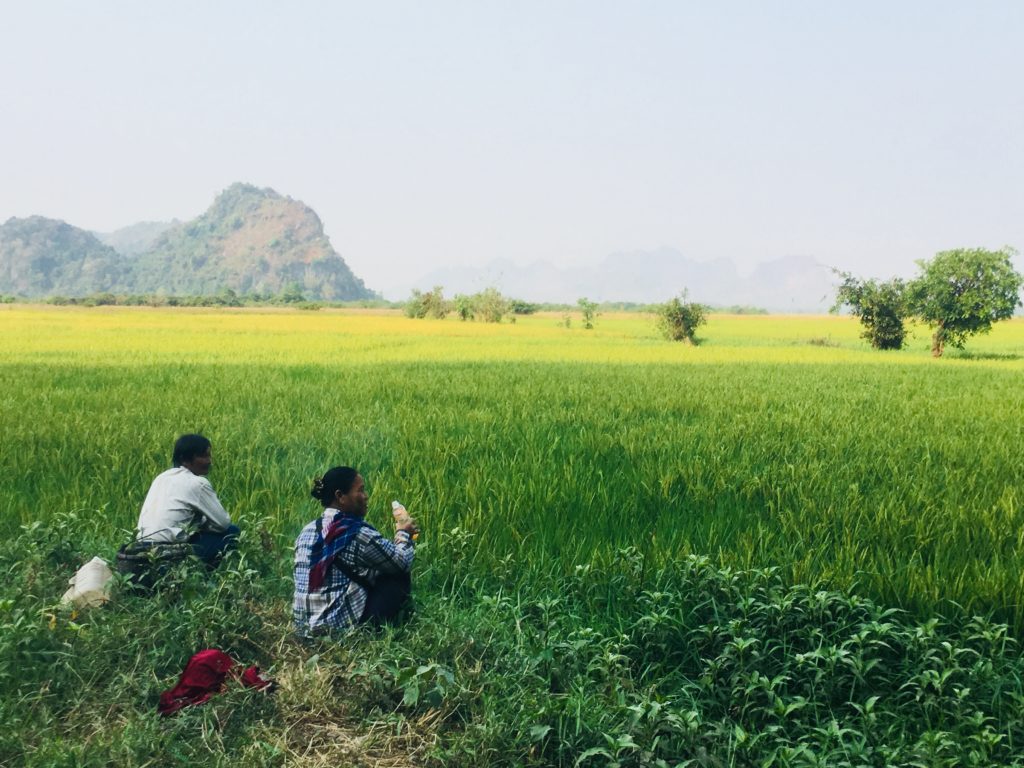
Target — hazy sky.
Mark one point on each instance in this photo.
(866, 134)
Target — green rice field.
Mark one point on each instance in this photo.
(632, 549)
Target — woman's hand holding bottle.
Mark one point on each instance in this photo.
(403, 520)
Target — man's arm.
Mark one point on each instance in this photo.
(209, 506)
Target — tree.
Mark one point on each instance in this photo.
(589, 310)
(678, 319)
(520, 307)
(962, 292)
(464, 306)
(490, 305)
(429, 304)
(881, 308)
(291, 294)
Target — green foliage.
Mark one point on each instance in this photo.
(229, 298)
(962, 292)
(881, 308)
(508, 661)
(79, 687)
(490, 306)
(563, 616)
(46, 257)
(430, 304)
(290, 294)
(520, 307)
(99, 300)
(250, 240)
(678, 319)
(464, 307)
(589, 311)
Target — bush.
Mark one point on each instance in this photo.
(464, 307)
(100, 300)
(679, 319)
(290, 294)
(490, 305)
(881, 308)
(519, 307)
(429, 304)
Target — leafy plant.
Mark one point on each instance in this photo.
(490, 306)
(429, 304)
(962, 292)
(589, 311)
(881, 308)
(679, 319)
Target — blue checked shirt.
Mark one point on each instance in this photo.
(340, 602)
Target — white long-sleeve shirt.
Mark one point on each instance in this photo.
(178, 502)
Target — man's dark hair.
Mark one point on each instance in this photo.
(187, 447)
(334, 479)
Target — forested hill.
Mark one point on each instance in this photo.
(46, 257)
(250, 240)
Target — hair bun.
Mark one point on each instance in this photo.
(318, 489)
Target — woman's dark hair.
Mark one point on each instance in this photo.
(187, 447)
(334, 479)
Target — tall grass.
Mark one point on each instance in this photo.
(867, 468)
(535, 456)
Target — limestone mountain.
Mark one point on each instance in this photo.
(48, 257)
(250, 240)
(135, 238)
(788, 284)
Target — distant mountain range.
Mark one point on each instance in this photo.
(253, 240)
(250, 240)
(791, 284)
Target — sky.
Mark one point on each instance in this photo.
(865, 134)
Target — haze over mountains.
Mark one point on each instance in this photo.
(250, 240)
(791, 284)
(254, 240)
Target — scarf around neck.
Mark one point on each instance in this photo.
(330, 544)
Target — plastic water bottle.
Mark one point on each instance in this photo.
(90, 586)
(402, 517)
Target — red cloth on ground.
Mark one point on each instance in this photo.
(204, 676)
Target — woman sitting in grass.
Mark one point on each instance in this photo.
(346, 572)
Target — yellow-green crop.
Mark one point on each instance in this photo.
(780, 441)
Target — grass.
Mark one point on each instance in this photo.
(619, 533)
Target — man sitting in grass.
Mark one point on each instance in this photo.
(181, 506)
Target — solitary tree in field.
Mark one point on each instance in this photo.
(881, 308)
(678, 319)
(589, 310)
(490, 306)
(962, 292)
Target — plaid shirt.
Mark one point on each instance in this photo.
(339, 603)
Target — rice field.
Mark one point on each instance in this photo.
(781, 441)
(532, 452)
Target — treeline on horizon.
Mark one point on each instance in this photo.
(295, 298)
